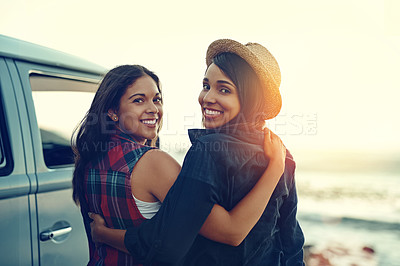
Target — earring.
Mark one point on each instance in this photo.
(113, 116)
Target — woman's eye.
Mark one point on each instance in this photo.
(157, 100)
(138, 100)
(206, 87)
(223, 90)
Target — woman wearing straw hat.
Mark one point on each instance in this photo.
(240, 91)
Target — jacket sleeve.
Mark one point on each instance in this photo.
(292, 237)
(168, 236)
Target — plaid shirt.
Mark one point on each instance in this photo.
(108, 193)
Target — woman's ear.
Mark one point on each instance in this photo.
(112, 114)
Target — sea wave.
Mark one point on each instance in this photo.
(373, 225)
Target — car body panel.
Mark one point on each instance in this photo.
(36, 199)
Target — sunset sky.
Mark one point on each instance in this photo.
(340, 60)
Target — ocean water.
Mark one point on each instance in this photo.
(350, 218)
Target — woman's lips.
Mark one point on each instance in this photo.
(211, 113)
(149, 122)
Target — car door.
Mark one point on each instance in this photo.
(56, 101)
(17, 205)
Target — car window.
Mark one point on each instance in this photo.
(60, 104)
(1, 153)
(6, 161)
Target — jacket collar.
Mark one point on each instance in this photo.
(250, 136)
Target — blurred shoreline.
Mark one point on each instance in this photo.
(350, 217)
(347, 161)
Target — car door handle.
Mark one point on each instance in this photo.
(52, 234)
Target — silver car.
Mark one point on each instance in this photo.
(43, 95)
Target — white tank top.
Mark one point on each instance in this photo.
(147, 209)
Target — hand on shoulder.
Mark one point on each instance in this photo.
(274, 149)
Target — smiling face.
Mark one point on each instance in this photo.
(219, 99)
(140, 110)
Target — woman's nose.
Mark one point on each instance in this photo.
(152, 108)
(209, 97)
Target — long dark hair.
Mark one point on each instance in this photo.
(94, 131)
(250, 91)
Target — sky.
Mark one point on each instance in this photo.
(340, 60)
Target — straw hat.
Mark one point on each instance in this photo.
(263, 63)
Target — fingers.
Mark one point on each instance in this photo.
(93, 228)
(267, 135)
(271, 136)
(275, 137)
(272, 140)
(93, 216)
(98, 220)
